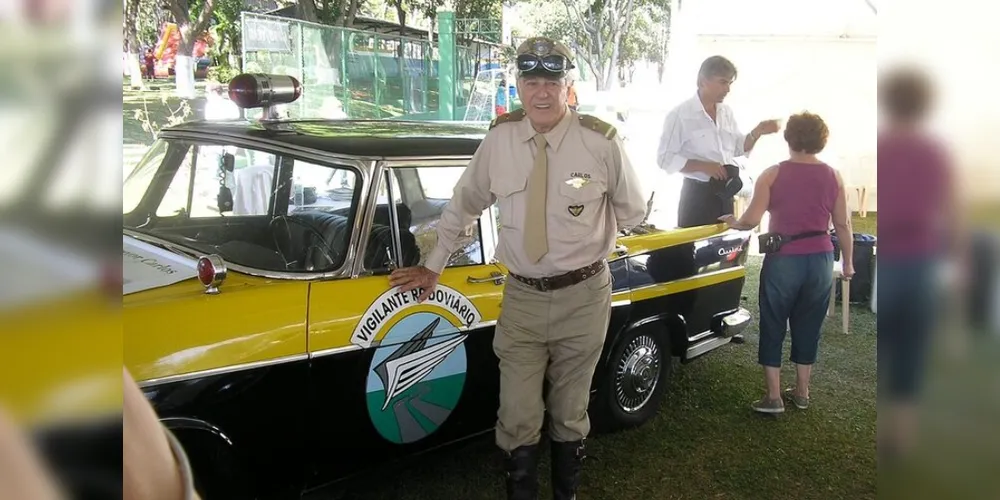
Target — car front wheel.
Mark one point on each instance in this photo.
(636, 377)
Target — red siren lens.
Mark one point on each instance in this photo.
(206, 271)
(243, 91)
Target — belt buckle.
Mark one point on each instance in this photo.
(543, 284)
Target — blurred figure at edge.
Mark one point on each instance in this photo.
(918, 216)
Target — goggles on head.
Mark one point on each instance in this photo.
(552, 63)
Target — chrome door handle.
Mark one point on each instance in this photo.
(621, 250)
(496, 277)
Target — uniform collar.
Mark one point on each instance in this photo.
(554, 137)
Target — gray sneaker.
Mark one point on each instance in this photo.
(764, 405)
(799, 402)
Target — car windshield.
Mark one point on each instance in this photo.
(255, 208)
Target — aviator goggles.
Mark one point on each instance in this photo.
(552, 63)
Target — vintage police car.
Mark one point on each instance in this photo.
(259, 320)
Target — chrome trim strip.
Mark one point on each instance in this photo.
(194, 254)
(706, 333)
(731, 270)
(446, 161)
(333, 351)
(222, 370)
(706, 346)
(367, 216)
(620, 303)
(233, 139)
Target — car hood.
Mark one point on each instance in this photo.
(146, 266)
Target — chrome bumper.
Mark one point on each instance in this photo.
(734, 324)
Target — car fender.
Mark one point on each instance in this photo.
(211, 452)
(670, 326)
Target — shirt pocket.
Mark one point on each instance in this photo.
(580, 207)
(510, 190)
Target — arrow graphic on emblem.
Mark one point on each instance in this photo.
(411, 363)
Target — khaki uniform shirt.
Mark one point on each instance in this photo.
(592, 192)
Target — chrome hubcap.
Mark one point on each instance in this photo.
(637, 373)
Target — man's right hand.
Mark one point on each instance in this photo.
(411, 278)
(714, 170)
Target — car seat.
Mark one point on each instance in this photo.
(380, 239)
(304, 246)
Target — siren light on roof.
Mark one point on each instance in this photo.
(258, 90)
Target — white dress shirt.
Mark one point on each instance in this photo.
(689, 133)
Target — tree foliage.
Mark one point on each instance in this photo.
(608, 35)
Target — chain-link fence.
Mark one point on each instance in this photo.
(348, 73)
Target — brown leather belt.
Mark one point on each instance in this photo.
(563, 280)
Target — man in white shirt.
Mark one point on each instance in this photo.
(700, 136)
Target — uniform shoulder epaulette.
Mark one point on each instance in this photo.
(514, 116)
(600, 126)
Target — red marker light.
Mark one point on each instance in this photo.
(211, 273)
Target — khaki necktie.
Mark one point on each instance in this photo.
(535, 238)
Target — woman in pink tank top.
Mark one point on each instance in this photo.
(803, 195)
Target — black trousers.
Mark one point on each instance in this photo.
(700, 205)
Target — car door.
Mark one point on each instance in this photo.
(392, 376)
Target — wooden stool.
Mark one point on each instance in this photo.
(845, 295)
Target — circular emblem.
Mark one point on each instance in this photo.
(416, 377)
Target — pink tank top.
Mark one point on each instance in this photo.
(802, 200)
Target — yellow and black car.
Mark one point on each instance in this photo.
(259, 320)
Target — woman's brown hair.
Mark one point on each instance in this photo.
(806, 133)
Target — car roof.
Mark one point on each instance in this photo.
(366, 138)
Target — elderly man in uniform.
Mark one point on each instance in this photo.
(700, 138)
(565, 187)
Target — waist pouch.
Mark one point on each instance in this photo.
(772, 242)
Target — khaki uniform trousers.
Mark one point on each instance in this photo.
(555, 336)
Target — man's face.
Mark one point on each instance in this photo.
(543, 99)
(716, 88)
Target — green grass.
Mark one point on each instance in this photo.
(705, 442)
(866, 225)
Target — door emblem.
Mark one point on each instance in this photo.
(416, 380)
(417, 370)
(575, 210)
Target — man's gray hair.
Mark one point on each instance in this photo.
(565, 78)
(716, 66)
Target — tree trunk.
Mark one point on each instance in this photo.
(132, 43)
(400, 14)
(341, 7)
(307, 11)
(189, 32)
(352, 12)
(184, 65)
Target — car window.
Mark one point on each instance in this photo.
(420, 195)
(248, 174)
(253, 207)
(137, 181)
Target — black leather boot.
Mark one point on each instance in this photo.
(567, 464)
(521, 468)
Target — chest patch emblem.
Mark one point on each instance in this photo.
(575, 210)
(578, 180)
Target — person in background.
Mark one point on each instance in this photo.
(802, 194)
(699, 137)
(501, 104)
(571, 98)
(150, 61)
(919, 213)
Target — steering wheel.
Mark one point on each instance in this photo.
(324, 247)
